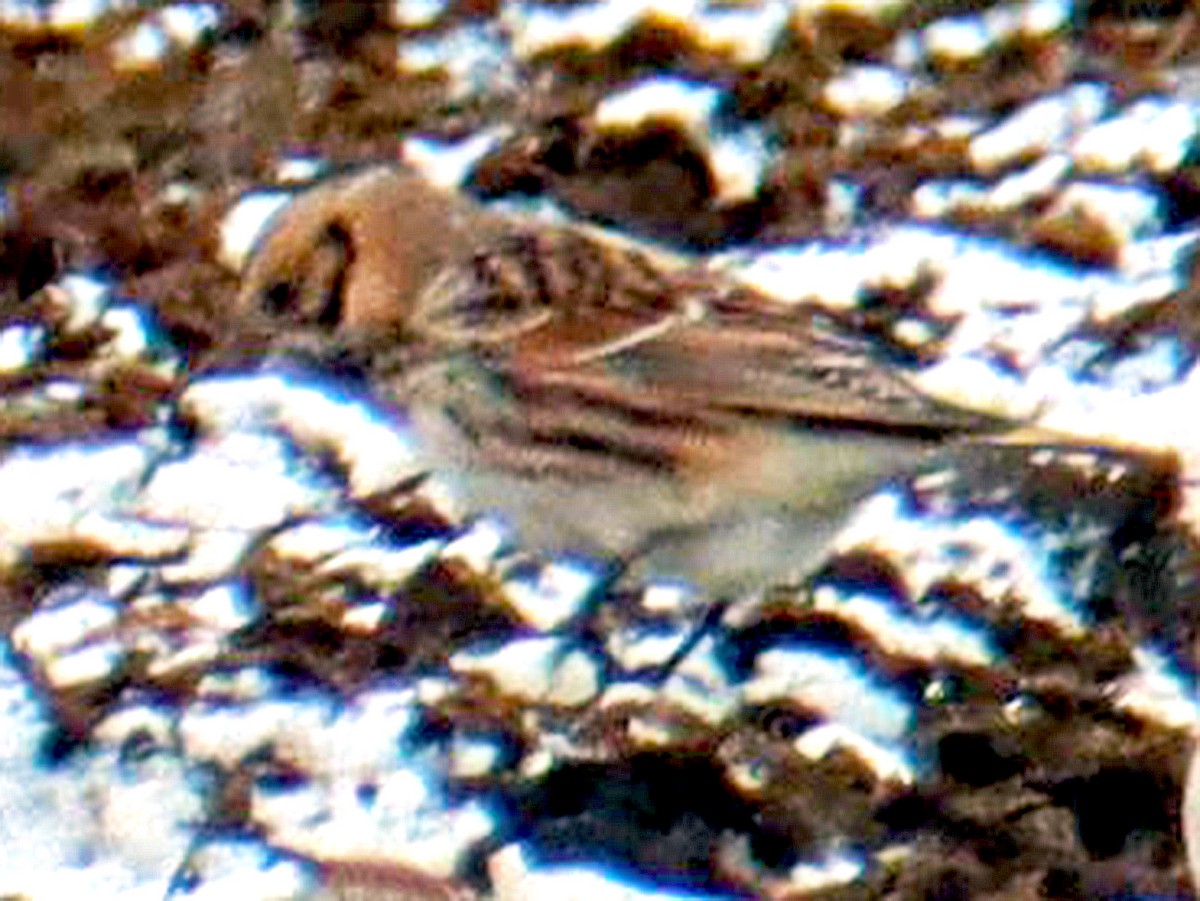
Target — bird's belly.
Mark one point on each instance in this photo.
(766, 512)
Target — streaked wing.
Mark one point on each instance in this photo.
(790, 365)
(604, 388)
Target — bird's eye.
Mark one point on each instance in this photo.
(279, 298)
(310, 294)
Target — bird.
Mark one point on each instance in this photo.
(604, 396)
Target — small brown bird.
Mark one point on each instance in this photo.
(606, 396)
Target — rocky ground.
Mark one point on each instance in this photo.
(251, 649)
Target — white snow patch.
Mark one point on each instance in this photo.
(931, 639)
(836, 687)
(514, 878)
(866, 91)
(447, 164)
(819, 742)
(81, 493)
(1039, 127)
(554, 595)
(370, 444)
(247, 222)
(995, 559)
(1155, 132)
(544, 670)
(20, 345)
(737, 157)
